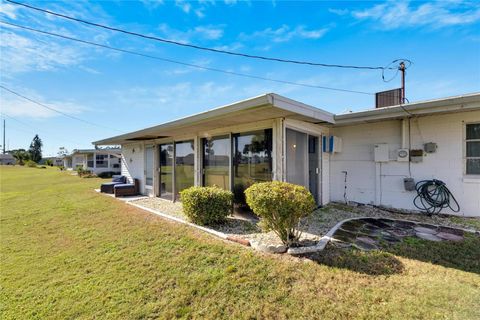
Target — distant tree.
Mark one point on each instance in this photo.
(62, 151)
(21, 155)
(35, 150)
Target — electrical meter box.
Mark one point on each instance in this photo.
(381, 152)
(403, 155)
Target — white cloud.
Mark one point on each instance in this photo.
(286, 33)
(22, 54)
(185, 6)
(200, 12)
(152, 4)
(202, 32)
(8, 10)
(230, 47)
(339, 12)
(392, 15)
(18, 107)
(24, 51)
(185, 70)
(230, 2)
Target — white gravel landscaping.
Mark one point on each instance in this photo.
(313, 227)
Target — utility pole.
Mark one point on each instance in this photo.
(3, 136)
(402, 69)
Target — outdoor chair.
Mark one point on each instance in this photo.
(108, 187)
(126, 189)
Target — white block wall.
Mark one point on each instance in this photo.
(382, 184)
(133, 163)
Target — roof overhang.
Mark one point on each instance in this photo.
(470, 102)
(264, 107)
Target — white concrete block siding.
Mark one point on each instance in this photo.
(446, 164)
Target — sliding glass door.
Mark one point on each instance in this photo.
(184, 166)
(252, 160)
(166, 171)
(216, 162)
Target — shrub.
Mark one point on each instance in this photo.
(280, 205)
(49, 162)
(206, 205)
(107, 174)
(31, 163)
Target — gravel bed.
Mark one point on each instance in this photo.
(233, 226)
(335, 212)
(314, 226)
(162, 205)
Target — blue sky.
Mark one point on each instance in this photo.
(128, 92)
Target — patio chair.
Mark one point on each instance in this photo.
(126, 189)
(108, 186)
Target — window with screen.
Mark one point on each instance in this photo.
(472, 148)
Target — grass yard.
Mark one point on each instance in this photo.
(68, 252)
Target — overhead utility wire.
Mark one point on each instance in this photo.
(185, 63)
(195, 46)
(55, 110)
(34, 130)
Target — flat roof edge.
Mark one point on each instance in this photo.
(261, 100)
(455, 103)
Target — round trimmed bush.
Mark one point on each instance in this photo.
(206, 205)
(31, 164)
(280, 205)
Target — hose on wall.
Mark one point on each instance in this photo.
(433, 196)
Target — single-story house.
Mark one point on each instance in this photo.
(7, 159)
(95, 160)
(56, 161)
(358, 156)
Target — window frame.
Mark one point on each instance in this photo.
(465, 157)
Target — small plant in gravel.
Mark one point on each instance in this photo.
(206, 205)
(280, 205)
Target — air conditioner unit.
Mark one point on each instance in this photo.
(403, 155)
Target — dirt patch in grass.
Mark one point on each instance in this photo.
(373, 262)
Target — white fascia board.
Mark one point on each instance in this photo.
(300, 108)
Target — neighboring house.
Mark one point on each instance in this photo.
(359, 156)
(7, 159)
(56, 161)
(95, 160)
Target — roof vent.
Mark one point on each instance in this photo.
(388, 98)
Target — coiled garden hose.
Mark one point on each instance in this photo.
(433, 196)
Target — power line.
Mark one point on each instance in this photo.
(57, 111)
(185, 63)
(195, 46)
(36, 130)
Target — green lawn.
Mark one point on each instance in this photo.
(68, 252)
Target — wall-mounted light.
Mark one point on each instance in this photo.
(294, 146)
